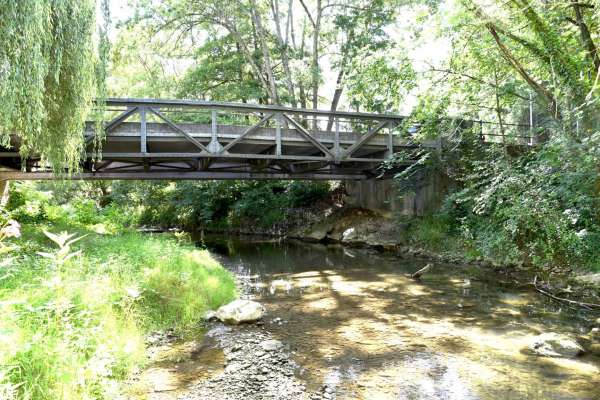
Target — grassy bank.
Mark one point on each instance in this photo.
(73, 321)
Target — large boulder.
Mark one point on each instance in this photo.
(240, 311)
(555, 345)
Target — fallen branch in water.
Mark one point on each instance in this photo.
(417, 275)
(589, 306)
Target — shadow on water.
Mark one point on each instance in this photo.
(358, 324)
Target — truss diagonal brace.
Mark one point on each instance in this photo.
(246, 133)
(178, 129)
(364, 139)
(112, 124)
(308, 137)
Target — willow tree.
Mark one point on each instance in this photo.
(47, 76)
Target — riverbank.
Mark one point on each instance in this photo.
(77, 307)
(338, 224)
(350, 324)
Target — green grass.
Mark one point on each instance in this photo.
(432, 233)
(76, 331)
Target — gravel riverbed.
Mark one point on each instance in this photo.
(257, 367)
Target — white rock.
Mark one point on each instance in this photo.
(211, 315)
(348, 234)
(239, 311)
(271, 345)
(555, 345)
(280, 285)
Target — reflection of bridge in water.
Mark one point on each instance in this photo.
(181, 139)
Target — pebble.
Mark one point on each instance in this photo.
(257, 368)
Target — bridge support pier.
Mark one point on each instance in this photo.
(382, 196)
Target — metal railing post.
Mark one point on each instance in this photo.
(336, 141)
(278, 123)
(143, 132)
(214, 146)
(390, 140)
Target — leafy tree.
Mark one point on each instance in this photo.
(271, 51)
(47, 76)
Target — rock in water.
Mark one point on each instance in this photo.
(240, 311)
(555, 345)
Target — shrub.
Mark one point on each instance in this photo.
(305, 193)
(74, 321)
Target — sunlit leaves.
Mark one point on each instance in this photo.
(63, 240)
(46, 76)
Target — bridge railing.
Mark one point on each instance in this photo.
(311, 120)
(327, 131)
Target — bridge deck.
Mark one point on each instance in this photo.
(172, 139)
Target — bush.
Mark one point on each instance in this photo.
(26, 204)
(76, 329)
(304, 193)
(215, 204)
(540, 207)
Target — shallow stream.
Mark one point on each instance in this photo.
(359, 328)
(355, 322)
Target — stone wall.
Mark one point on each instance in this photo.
(381, 195)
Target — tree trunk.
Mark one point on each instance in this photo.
(4, 186)
(586, 38)
(336, 95)
(315, 58)
(314, 67)
(518, 67)
(498, 106)
(267, 66)
(283, 46)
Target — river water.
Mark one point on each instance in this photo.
(357, 323)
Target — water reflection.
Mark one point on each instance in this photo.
(361, 327)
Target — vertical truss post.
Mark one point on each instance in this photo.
(143, 133)
(214, 146)
(278, 123)
(336, 143)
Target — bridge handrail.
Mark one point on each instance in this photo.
(246, 107)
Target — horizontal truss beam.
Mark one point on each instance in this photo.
(178, 175)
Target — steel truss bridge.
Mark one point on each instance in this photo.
(185, 139)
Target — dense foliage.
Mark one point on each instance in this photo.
(75, 314)
(214, 204)
(48, 74)
(513, 202)
(74, 317)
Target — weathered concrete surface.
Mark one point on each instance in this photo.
(382, 196)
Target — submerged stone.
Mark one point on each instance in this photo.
(240, 311)
(555, 345)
